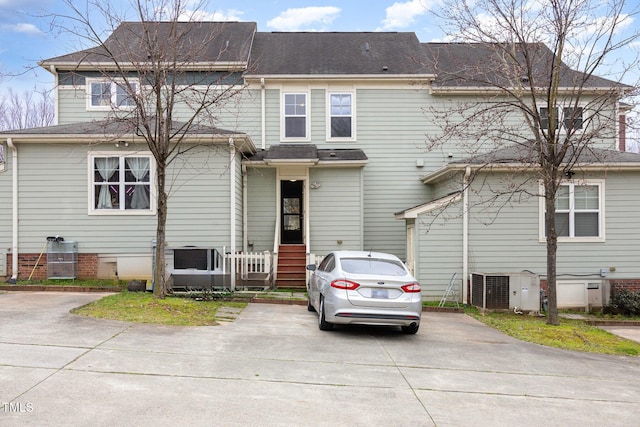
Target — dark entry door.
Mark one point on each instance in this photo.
(292, 212)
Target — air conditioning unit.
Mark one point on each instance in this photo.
(506, 291)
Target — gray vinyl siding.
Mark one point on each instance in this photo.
(239, 204)
(438, 247)
(391, 131)
(240, 113)
(511, 242)
(54, 194)
(261, 215)
(503, 233)
(199, 200)
(336, 210)
(72, 106)
(6, 202)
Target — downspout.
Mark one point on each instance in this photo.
(232, 209)
(14, 203)
(56, 105)
(263, 114)
(245, 219)
(465, 232)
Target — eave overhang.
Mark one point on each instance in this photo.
(487, 90)
(53, 66)
(414, 212)
(450, 170)
(356, 77)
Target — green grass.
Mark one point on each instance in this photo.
(94, 283)
(570, 334)
(143, 307)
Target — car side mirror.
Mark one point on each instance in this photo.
(311, 267)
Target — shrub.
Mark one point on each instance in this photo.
(625, 302)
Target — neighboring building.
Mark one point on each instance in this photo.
(325, 147)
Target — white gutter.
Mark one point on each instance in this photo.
(245, 219)
(232, 201)
(56, 104)
(263, 114)
(14, 203)
(465, 232)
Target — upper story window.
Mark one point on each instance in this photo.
(121, 183)
(569, 117)
(341, 120)
(2, 165)
(579, 211)
(295, 116)
(108, 94)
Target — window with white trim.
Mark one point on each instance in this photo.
(340, 125)
(295, 116)
(121, 183)
(108, 94)
(579, 211)
(568, 117)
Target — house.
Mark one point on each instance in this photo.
(324, 147)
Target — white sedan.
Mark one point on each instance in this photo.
(364, 288)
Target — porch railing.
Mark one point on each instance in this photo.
(252, 268)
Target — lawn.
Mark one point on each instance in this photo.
(143, 307)
(571, 334)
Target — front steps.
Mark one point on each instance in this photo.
(292, 267)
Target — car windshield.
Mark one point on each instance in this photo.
(383, 267)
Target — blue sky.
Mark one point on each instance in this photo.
(26, 36)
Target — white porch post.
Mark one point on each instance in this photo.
(14, 201)
(232, 210)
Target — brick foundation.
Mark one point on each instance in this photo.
(629, 284)
(35, 266)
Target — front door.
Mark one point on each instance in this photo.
(292, 211)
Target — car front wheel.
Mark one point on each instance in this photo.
(322, 323)
(309, 305)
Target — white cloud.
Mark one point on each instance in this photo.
(402, 15)
(28, 29)
(304, 18)
(201, 15)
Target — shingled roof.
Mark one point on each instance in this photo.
(479, 65)
(194, 42)
(308, 153)
(337, 53)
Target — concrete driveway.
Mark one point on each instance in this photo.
(273, 367)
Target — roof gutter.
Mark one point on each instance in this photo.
(506, 167)
(14, 207)
(492, 90)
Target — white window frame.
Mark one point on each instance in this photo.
(600, 183)
(329, 116)
(561, 117)
(2, 159)
(284, 116)
(113, 87)
(92, 210)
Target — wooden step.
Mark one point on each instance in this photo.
(292, 269)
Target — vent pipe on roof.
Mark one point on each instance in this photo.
(366, 47)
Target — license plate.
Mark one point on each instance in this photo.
(379, 293)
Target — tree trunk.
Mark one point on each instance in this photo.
(159, 274)
(552, 248)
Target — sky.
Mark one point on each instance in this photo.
(26, 34)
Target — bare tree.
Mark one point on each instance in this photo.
(26, 110)
(537, 61)
(156, 64)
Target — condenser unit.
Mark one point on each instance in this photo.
(506, 291)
